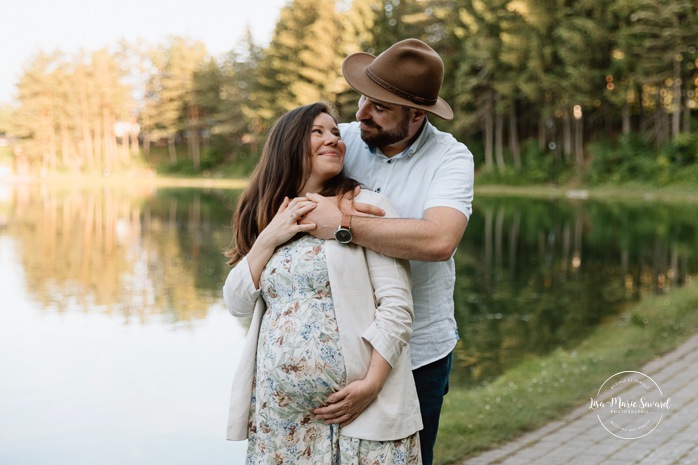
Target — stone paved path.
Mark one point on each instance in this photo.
(580, 439)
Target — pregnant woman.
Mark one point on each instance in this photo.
(329, 319)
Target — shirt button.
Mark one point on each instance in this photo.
(390, 161)
(378, 190)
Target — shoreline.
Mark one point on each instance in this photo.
(541, 390)
(629, 192)
(127, 181)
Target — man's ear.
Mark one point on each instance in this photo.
(416, 115)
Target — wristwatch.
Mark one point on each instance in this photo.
(343, 233)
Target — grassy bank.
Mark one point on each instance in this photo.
(542, 389)
(625, 192)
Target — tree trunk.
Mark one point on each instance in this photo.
(661, 123)
(86, 130)
(146, 143)
(65, 143)
(135, 145)
(487, 249)
(193, 137)
(171, 149)
(578, 142)
(514, 138)
(676, 101)
(97, 144)
(542, 131)
(566, 135)
(489, 133)
(625, 115)
(686, 118)
(109, 140)
(49, 147)
(499, 133)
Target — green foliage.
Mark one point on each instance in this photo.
(537, 167)
(683, 151)
(539, 389)
(634, 159)
(301, 64)
(518, 74)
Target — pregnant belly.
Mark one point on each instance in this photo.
(299, 357)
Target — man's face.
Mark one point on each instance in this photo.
(382, 124)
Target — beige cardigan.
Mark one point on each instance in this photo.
(373, 307)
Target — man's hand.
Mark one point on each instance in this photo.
(327, 215)
(348, 205)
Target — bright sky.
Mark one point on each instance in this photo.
(30, 26)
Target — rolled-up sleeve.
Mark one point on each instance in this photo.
(392, 327)
(239, 292)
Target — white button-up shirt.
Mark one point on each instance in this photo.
(435, 171)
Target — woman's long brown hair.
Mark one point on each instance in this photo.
(283, 168)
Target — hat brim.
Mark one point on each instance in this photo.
(354, 70)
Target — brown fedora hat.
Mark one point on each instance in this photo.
(409, 73)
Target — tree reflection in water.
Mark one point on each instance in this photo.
(132, 252)
(533, 274)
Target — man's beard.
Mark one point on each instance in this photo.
(381, 137)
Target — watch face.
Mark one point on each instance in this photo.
(343, 235)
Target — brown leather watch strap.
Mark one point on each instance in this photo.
(346, 221)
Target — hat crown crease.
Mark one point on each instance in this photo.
(397, 91)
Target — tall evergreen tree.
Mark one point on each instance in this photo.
(583, 43)
(302, 63)
(34, 119)
(239, 96)
(173, 94)
(359, 25)
(485, 81)
(623, 80)
(112, 102)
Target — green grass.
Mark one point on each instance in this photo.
(628, 191)
(542, 389)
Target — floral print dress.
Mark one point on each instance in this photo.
(299, 364)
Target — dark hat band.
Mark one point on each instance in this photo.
(400, 93)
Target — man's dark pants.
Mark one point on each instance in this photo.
(432, 385)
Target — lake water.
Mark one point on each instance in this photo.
(116, 348)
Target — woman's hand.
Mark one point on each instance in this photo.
(345, 405)
(280, 229)
(285, 223)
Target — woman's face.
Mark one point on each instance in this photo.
(327, 151)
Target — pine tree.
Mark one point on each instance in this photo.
(302, 64)
(237, 120)
(35, 118)
(174, 96)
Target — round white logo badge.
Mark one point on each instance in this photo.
(630, 405)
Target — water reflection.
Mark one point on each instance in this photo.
(115, 344)
(78, 263)
(129, 252)
(534, 275)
